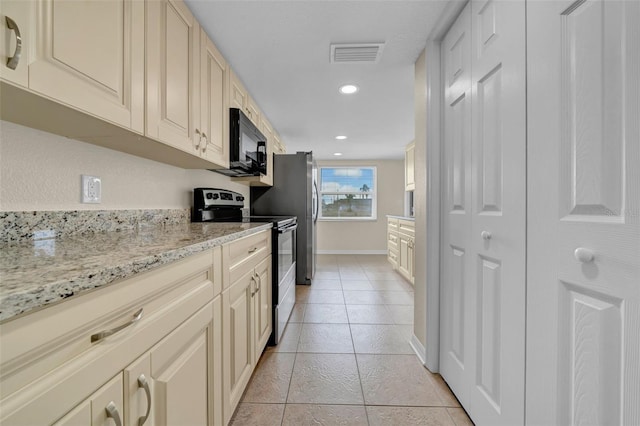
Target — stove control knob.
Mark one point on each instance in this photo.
(209, 195)
(239, 198)
(215, 196)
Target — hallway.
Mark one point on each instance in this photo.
(345, 358)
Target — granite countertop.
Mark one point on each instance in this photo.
(401, 217)
(39, 273)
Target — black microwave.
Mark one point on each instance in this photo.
(247, 147)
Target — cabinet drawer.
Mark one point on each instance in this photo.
(406, 227)
(244, 254)
(392, 224)
(40, 342)
(392, 256)
(392, 241)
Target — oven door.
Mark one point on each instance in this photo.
(285, 289)
(286, 249)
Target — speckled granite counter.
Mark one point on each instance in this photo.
(401, 217)
(39, 273)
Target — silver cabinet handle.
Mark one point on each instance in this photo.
(584, 255)
(253, 281)
(206, 142)
(252, 250)
(112, 412)
(12, 62)
(199, 138)
(144, 384)
(106, 333)
(258, 281)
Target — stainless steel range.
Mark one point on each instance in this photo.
(221, 205)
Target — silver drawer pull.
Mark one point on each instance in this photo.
(144, 384)
(12, 62)
(112, 412)
(206, 142)
(252, 250)
(101, 335)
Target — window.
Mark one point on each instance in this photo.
(348, 193)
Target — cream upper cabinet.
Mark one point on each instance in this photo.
(17, 19)
(409, 167)
(214, 112)
(173, 58)
(278, 146)
(87, 55)
(237, 93)
(240, 98)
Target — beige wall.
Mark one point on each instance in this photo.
(366, 236)
(420, 200)
(41, 171)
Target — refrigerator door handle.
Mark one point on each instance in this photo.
(316, 202)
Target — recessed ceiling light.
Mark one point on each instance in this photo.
(348, 89)
(337, 154)
(341, 137)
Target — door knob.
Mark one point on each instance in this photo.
(584, 255)
(485, 235)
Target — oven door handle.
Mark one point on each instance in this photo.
(288, 228)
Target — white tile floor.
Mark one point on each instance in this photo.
(345, 357)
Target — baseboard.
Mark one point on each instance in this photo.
(417, 347)
(351, 251)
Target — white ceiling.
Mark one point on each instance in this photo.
(281, 52)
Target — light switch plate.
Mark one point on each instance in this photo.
(91, 189)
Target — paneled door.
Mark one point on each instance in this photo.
(457, 287)
(483, 342)
(214, 112)
(173, 69)
(90, 55)
(583, 298)
(498, 234)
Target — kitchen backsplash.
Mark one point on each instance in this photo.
(30, 225)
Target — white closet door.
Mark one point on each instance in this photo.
(583, 302)
(456, 357)
(483, 286)
(498, 235)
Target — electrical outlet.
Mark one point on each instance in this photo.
(91, 189)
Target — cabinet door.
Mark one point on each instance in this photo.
(409, 167)
(21, 13)
(90, 55)
(403, 254)
(237, 92)
(411, 266)
(137, 391)
(252, 111)
(173, 57)
(179, 369)
(262, 303)
(238, 341)
(104, 407)
(214, 115)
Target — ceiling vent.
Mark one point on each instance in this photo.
(356, 53)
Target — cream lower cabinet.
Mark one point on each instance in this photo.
(400, 247)
(164, 367)
(246, 313)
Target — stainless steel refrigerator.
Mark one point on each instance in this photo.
(294, 192)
